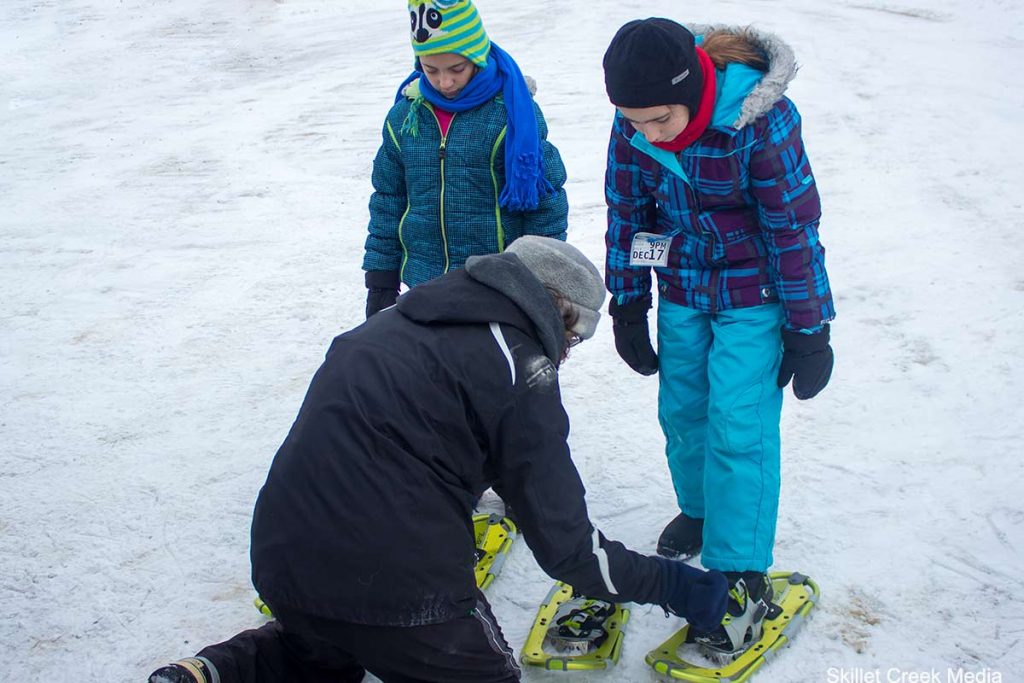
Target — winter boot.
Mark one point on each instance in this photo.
(750, 603)
(190, 670)
(682, 538)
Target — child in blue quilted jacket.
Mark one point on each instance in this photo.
(464, 167)
(708, 188)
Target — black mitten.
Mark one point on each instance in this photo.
(632, 336)
(382, 290)
(698, 596)
(806, 359)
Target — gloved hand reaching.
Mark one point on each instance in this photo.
(698, 596)
(807, 359)
(382, 290)
(632, 336)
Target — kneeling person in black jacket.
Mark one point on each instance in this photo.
(362, 539)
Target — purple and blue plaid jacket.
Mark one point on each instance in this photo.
(742, 209)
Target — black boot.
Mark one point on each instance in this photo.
(682, 538)
(190, 670)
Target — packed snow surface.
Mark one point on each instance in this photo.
(183, 203)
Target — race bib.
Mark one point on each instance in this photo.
(649, 250)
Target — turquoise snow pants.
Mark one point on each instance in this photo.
(720, 409)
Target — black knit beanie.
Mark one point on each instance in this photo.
(652, 62)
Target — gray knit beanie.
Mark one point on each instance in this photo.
(563, 267)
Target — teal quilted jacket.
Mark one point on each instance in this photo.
(435, 200)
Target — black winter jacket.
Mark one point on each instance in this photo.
(366, 512)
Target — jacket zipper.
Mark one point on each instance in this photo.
(689, 185)
(442, 152)
(716, 274)
(497, 192)
(693, 195)
(408, 205)
(405, 252)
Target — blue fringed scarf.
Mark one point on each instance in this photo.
(525, 183)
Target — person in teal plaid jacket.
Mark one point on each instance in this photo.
(464, 167)
(711, 197)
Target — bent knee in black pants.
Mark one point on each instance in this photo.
(301, 648)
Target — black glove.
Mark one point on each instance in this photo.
(382, 290)
(806, 359)
(698, 596)
(632, 338)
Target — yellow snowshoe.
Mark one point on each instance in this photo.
(794, 596)
(575, 633)
(494, 537)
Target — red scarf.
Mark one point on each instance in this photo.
(699, 123)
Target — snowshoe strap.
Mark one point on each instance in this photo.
(587, 620)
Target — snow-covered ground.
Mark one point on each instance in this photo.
(183, 190)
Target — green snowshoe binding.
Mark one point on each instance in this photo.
(758, 624)
(575, 633)
(578, 625)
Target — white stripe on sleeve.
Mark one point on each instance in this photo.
(602, 562)
(499, 337)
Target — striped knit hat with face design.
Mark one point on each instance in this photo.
(441, 26)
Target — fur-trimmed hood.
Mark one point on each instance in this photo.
(737, 104)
